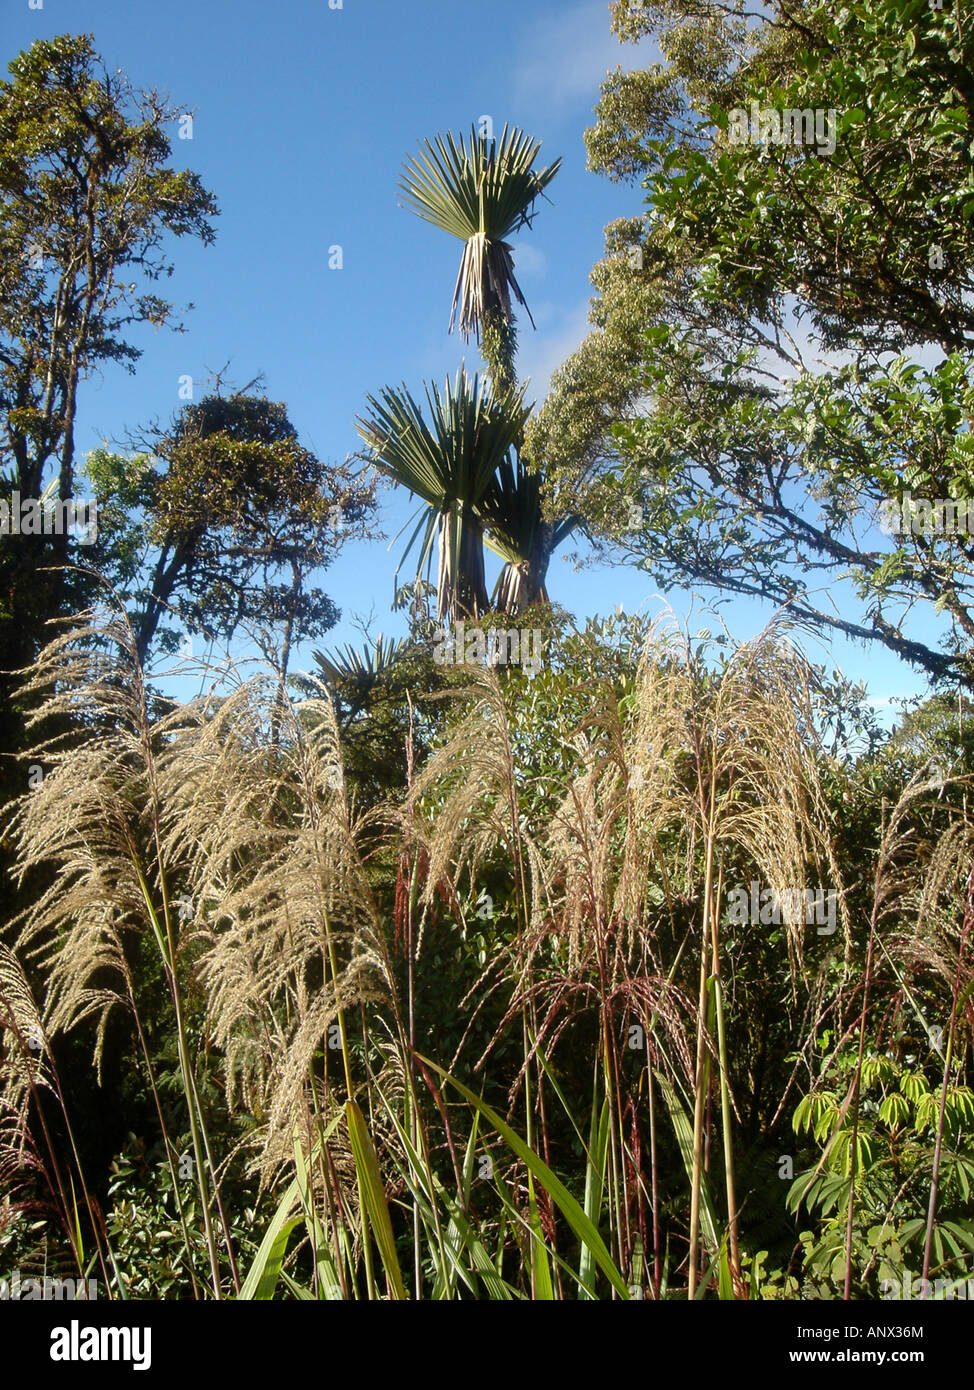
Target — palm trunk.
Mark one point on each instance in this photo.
(522, 583)
(462, 594)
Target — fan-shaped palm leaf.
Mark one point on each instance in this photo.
(481, 192)
(363, 667)
(517, 531)
(450, 463)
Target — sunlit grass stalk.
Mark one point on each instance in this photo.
(856, 1092)
(523, 920)
(700, 1088)
(412, 898)
(167, 948)
(653, 1169)
(10, 1025)
(942, 1108)
(166, 1141)
(726, 1113)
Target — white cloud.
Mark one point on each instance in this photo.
(541, 353)
(528, 260)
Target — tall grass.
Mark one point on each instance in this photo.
(568, 1147)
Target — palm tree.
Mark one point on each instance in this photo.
(481, 192)
(517, 531)
(361, 667)
(451, 464)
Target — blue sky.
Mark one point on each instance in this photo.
(302, 117)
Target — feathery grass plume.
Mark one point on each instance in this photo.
(607, 884)
(925, 885)
(24, 1061)
(85, 827)
(753, 790)
(28, 1157)
(718, 766)
(23, 1071)
(932, 884)
(464, 803)
(688, 758)
(288, 934)
(919, 889)
(93, 829)
(693, 775)
(276, 920)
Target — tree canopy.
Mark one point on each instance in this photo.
(783, 341)
(222, 524)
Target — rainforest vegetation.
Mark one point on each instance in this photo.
(641, 969)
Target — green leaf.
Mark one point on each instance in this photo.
(684, 1137)
(373, 1195)
(559, 1194)
(262, 1278)
(598, 1149)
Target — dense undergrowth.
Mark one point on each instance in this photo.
(475, 1020)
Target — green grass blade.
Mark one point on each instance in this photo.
(324, 1263)
(683, 1130)
(265, 1271)
(541, 1281)
(566, 1203)
(597, 1153)
(373, 1195)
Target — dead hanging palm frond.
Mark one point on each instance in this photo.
(480, 192)
(449, 462)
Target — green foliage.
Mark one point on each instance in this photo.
(431, 1065)
(465, 465)
(415, 980)
(87, 203)
(157, 1256)
(482, 192)
(229, 504)
(450, 464)
(893, 1159)
(759, 469)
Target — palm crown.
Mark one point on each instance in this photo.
(481, 192)
(451, 464)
